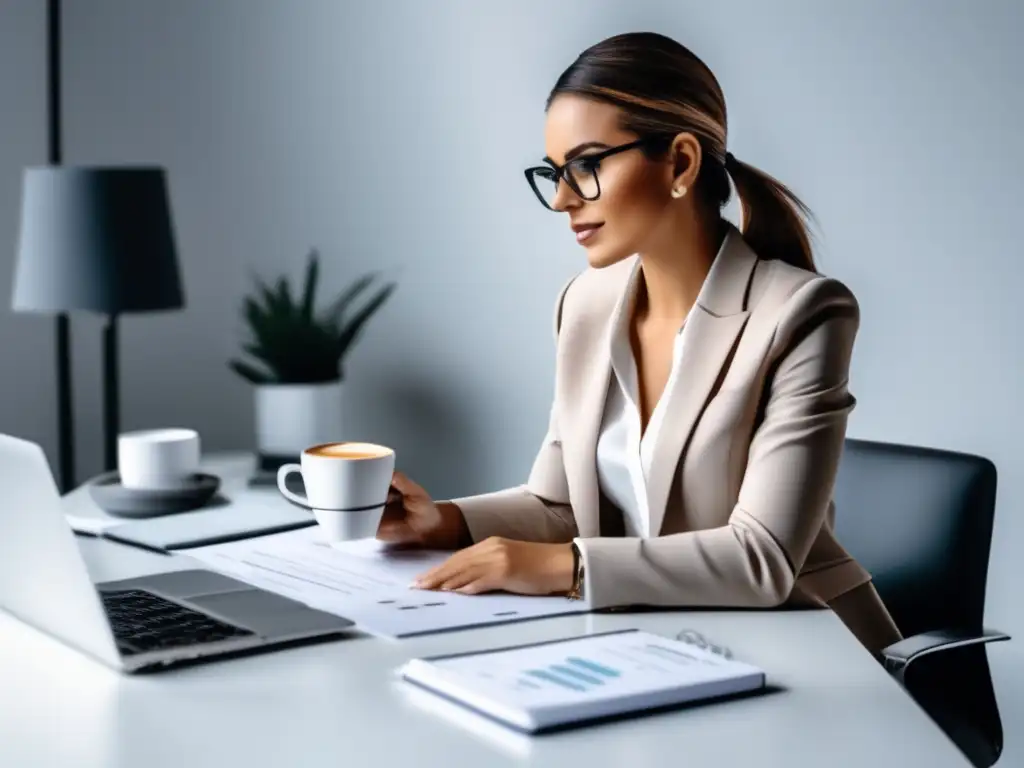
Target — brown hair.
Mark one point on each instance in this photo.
(663, 89)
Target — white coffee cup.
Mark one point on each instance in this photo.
(347, 487)
(158, 459)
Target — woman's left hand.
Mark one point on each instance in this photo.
(522, 567)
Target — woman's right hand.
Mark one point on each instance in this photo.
(412, 518)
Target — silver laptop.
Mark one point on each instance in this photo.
(136, 624)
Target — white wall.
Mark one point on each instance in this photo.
(392, 135)
(27, 383)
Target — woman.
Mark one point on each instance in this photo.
(701, 393)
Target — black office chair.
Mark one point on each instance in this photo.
(920, 521)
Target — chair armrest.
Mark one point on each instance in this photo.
(902, 654)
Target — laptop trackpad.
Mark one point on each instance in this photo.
(267, 614)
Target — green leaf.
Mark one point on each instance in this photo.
(337, 309)
(265, 354)
(250, 372)
(352, 329)
(284, 297)
(270, 303)
(306, 354)
(255, 316)
(312, 275)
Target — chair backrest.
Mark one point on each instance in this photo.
(920, 521)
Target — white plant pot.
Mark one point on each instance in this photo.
(292, 417)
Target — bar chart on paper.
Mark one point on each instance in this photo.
(537, 685)
(574, 674)
(610, 663)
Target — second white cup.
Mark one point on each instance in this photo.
(158, 459)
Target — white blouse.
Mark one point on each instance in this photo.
(623, 455)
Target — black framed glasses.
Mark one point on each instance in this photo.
(580, 173)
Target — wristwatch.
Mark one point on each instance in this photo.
(576, 591)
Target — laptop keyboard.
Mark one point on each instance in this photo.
(144, 622)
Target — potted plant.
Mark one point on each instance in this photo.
(298, 360)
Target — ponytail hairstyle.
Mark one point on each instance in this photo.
(663, 89)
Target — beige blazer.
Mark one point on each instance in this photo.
(741, 486)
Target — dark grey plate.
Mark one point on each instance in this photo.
(114, 499)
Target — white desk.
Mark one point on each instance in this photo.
(337, 704)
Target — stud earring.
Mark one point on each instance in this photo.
(678, 192)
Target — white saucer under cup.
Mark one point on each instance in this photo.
(347, 487)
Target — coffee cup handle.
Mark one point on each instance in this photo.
(282, 476)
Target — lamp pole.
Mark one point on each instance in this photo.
(62, 329)
(111, 398)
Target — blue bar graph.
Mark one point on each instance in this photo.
(575, 674)
(528, 684)
(593, 666)
(568, 671)
(543, 674)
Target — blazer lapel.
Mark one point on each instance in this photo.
(712, 329)
(583, 482)
(709, 341)
(590, 391)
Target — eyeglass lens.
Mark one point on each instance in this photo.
(583, 178)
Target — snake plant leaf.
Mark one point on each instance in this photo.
(335, 313)
(250, 372)
(256, 318)
(309, 294)
(355, 325)
(284, 297)
(269, 297)
(267, 354)
(311, 355)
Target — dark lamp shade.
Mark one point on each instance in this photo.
(96, 239)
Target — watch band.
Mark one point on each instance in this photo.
(576, 591)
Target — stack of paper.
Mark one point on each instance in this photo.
(368, 583)
(538, 687)
(249, 513)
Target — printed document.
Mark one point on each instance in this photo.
(368, 582)
(535, 687)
